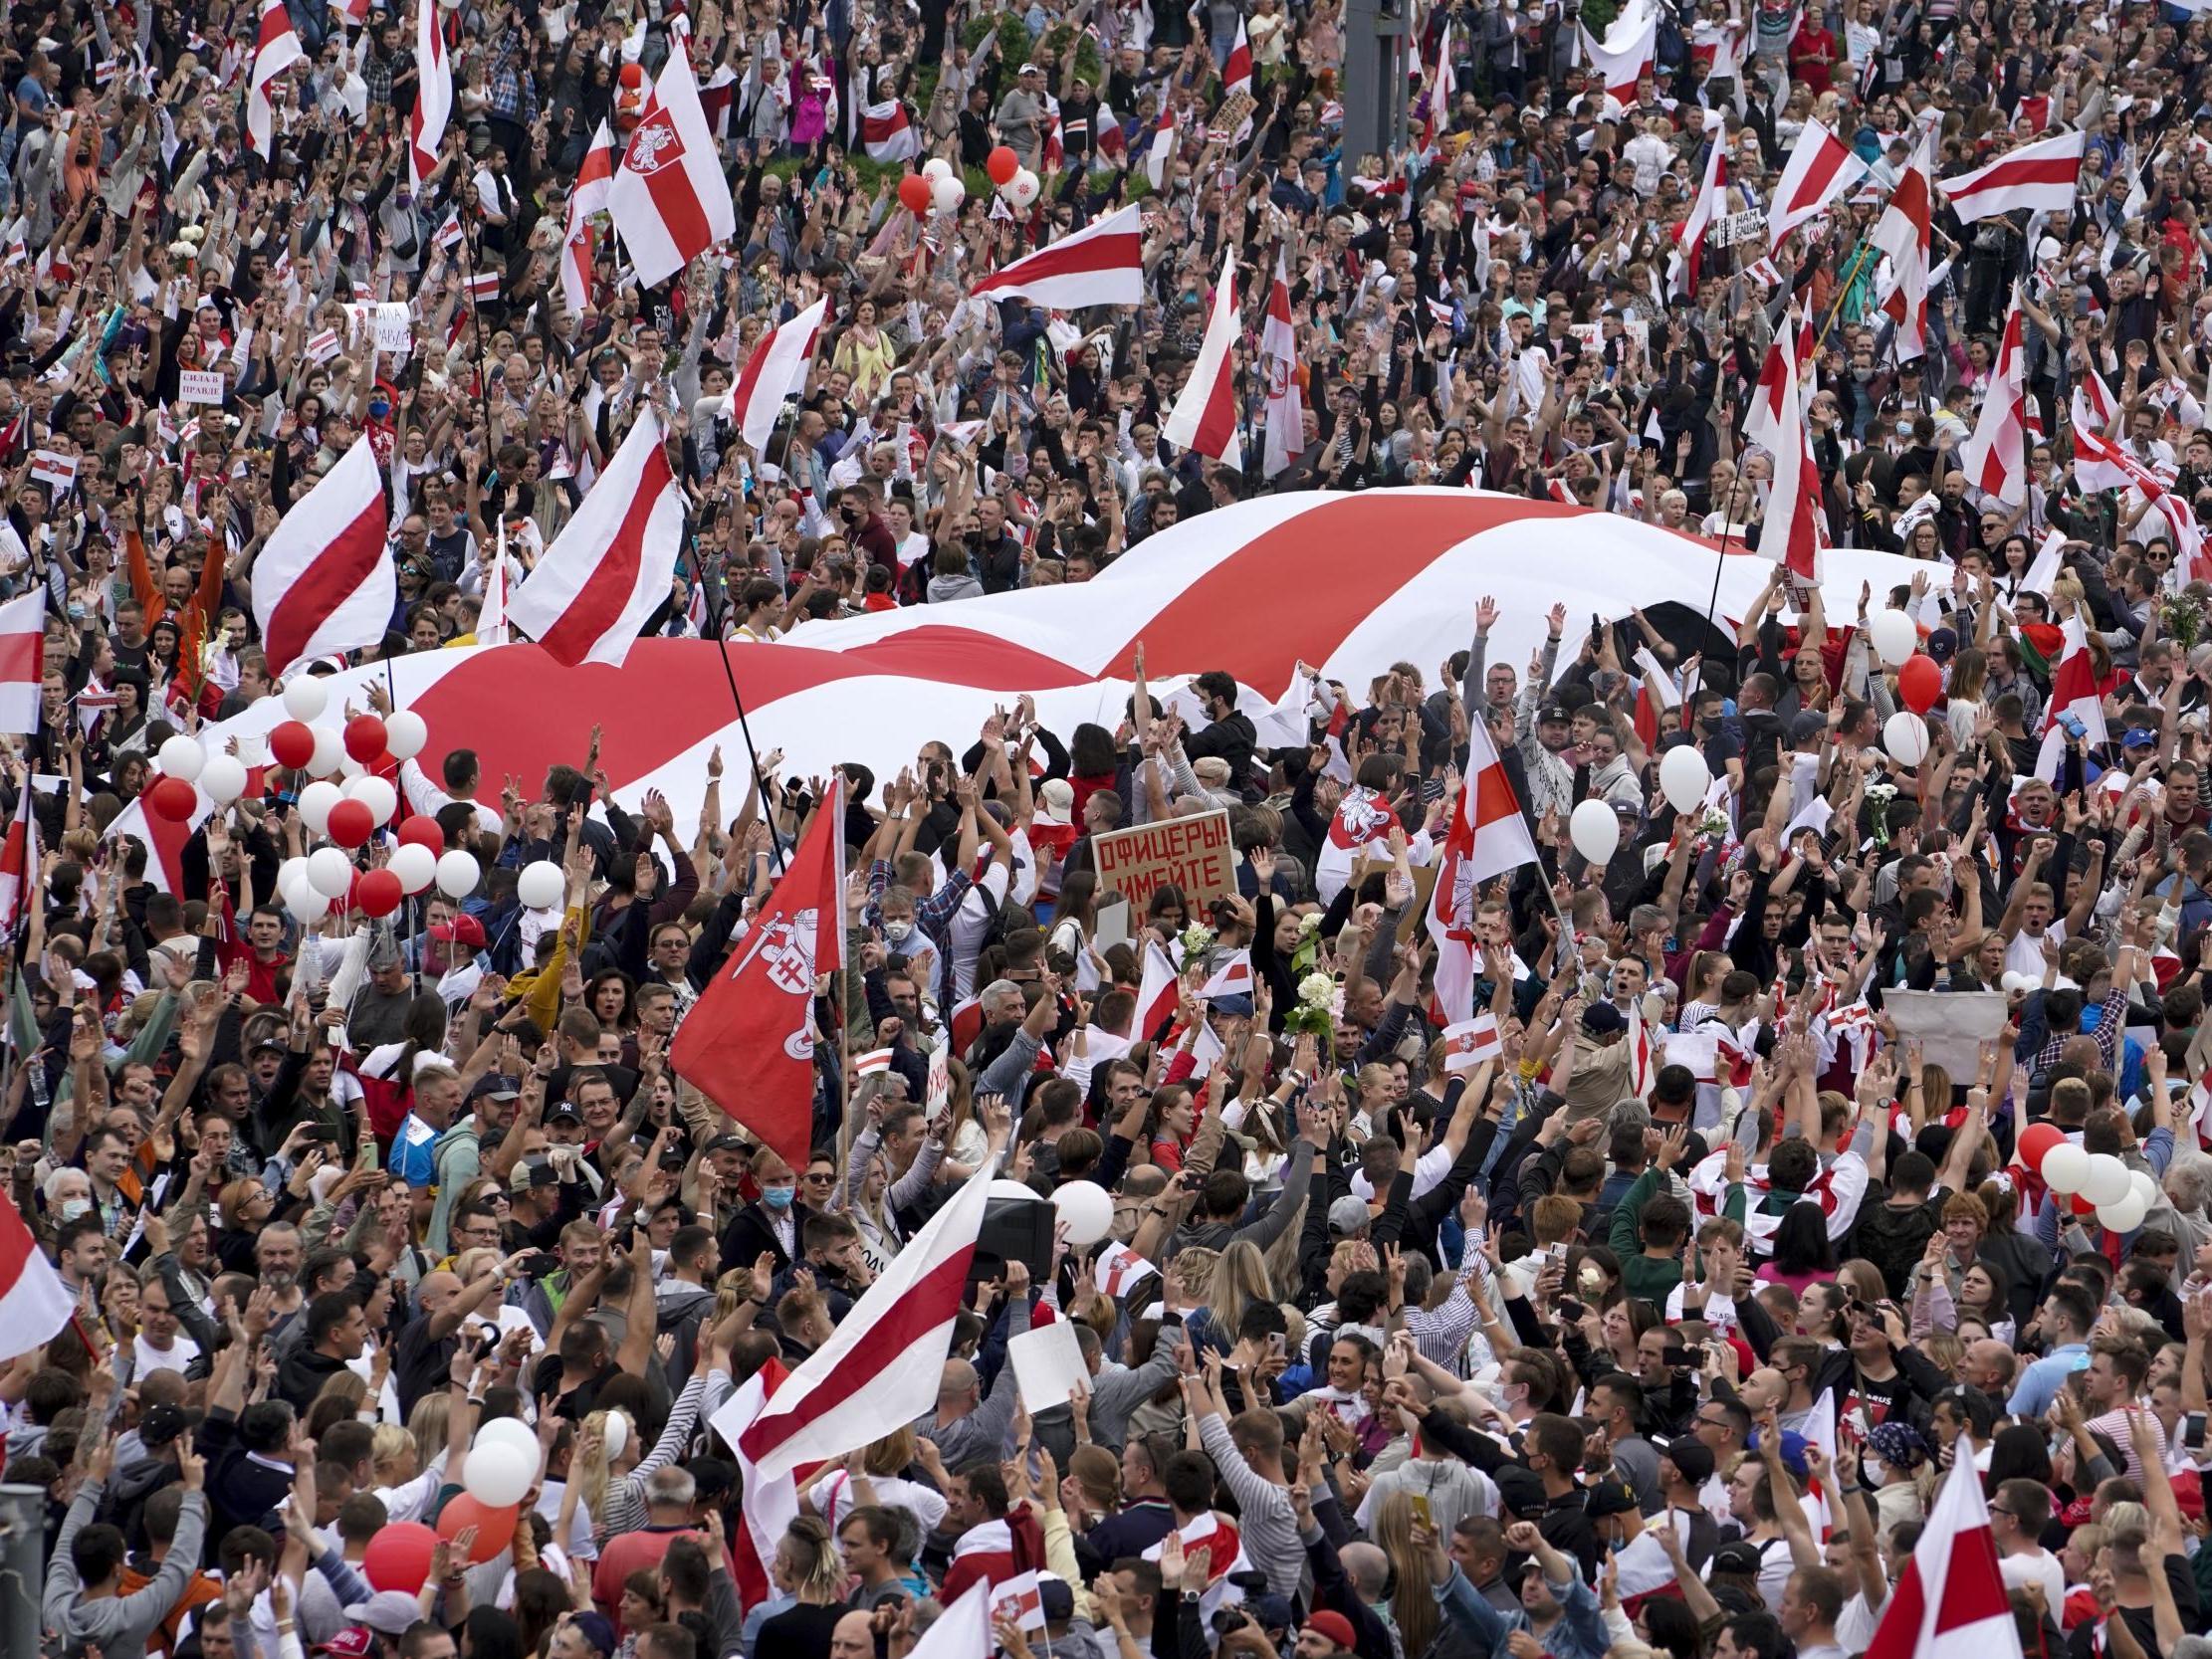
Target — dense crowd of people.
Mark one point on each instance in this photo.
(1651, 1331)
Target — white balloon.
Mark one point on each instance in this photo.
(224, 778)
(329, 752)
(330, 872)
(292, 873)
(2147, 1187)
(405, 733)
(1022, 188)
(1088, 1210)
(1595, 832)
(315, 801)
(377, 794)
(2064, 1168)
(458, 874)
(416, 867)
(499, 1475)
(1895, 636)
(540, 885)
(349, 768)
(947, 192)
(307, 904)
(2124, 1216)
(1906, 736)
(181, 757)
(936, 168)
(1684, 777)
(511, 1433)
(2106, 1181)
(304, 697)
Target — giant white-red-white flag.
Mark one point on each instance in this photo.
(881, 1368)
(2073, 692)
(1100, 265)
(777, 369)
(19, 861)
(1904, 233)
(22, 660)
(1950, 1601)
(426, 122)
(324, 582)
(1820, 168)
(594, 182)
(669, 200)
(1994, 456)
(34, 1303)
(1278, 355)
(610, 567)
(2040, 177)
(1205, 414)
(276, 49)
(1487, 837)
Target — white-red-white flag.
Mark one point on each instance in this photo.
(324, 582)
(1905, 233)
(669, 200)
(770, 1505)
(1117, 1268)
(2074, 695)
(1278, 355)
(1711, 204)
(1471, 1042)
(1789, 356)
(1205, 414)
(491, 615)
(777, 369)
(1155, 993)
(19, 861)
(1794, 527)
(1231, 977)
(1100, 265)
(1950, 1601)
(2040, 177)
(22, 660)
(1994, 456)
(276, 49)
(1160, 154)
(881, 1368)
(579, 247)
(887, 133)
(610, 567)
(34, 1303)
(1236, 73)
(1440, 83)
(2092, 408)
(426, 122)
(1487, 836)
(1820, 168)
(1629, 50)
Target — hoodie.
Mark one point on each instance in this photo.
(117, 1625)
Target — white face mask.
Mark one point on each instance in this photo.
(1876, 1471)
(71, 1209)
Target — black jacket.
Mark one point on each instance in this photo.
(749, 1233)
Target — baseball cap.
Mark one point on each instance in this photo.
(1519, 1491)
(1554, 713)
(497, 1086)
(532, 1173)
(1693, 1459)
(726, 1144)
(596, 1628)
(1348, 1215)
(1807, 725)
(162, 1424)
(353, 1641)
(1335, 1626)
(1793, 1450)
(1028, 68)
(387, 1612)
(1608, 1498)
(1736, 1558)
(1943, 644)
(463, 929)
(567, 1110)
(2136, 736)
(1602, 1019)
(1055, 1600)
(1055, 802)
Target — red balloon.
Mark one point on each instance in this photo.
(495, 1528)
(365, 738)
(173, 798)
(2035, 1140)
(378, 893)
(914, 194)
(1920, 683)
(398, 1557)
(2080, 1206)
(1001, 164)
(421, 831)
(352, 824)
(292, 743)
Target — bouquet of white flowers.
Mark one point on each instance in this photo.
(1315, 1010)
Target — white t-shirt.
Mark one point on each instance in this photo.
(1720, 1311)
(2025, 955)
(180, 1352)
(832, 1499)
(2038, 1566)
(965, 934)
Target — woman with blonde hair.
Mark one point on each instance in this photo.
(340, 1401)
(622, 1465)
(1412, 1602)
(875, 1475)
(1237, 1282)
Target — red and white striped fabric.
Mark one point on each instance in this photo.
(276, 49)
(1155, 993)
(887, 133)
(22, 660)
(1487, 837)
(1820, 168)
(2101, 463)
(880, 1370)
(875, 1061)
(490, 618)
(1950, 1603)
(1789, 356)
(1629, 50)
(1710, 204)
(669, 200)
(578, 249)
(777, 369)
(610, 567)
(1440, 82)
(1278, 353)
(426, 122)
(1233, 977)
(34, 1303)
(1904, 233)
(324, 582)
(1160, 154)
(771, 1504)
(2072, 691)
(19, 861)
(1995, 456)
(1236, 73)
(2093, 408)
(1794, 533)
(1205, 414)
(1118, 1268)
(1100, 265)
(1471, 1042)
(2040, 177)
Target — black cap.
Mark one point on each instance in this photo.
(726, 1144)
(1736, 1558)
(1608, 1498)
(1519, 1491)
(1693, 1459)
(1552, 714)
(161, 1424)
(1602, 1019)
(565, 1109)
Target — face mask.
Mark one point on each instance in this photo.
(71, 1209)
(898, 931)
(777, 1197)
(1876, 1470)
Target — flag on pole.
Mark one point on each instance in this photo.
(426, 122)
(580, 248)
(2073, 694)
(22, 661)
(1794, 527)
(1232, 977)
(34, 1305)
(1236, 73)
(1487, 836)
(1100, 265)
(1160, 154)
(1995, 456)
(324, 582)
(1205, 414)
(1820, 168)
(1629, 50)
(19, 863)
(748, 1044)
(1950, 1603)
(1904, 233)
(1711, 204)
(669, 200)
(276, 49)
(1155, 991)
(1471, 1042)
(777, 369)
(1278, 355)
(768, 1505)
(2040, 177)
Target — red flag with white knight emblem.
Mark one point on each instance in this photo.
(748, 1043)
